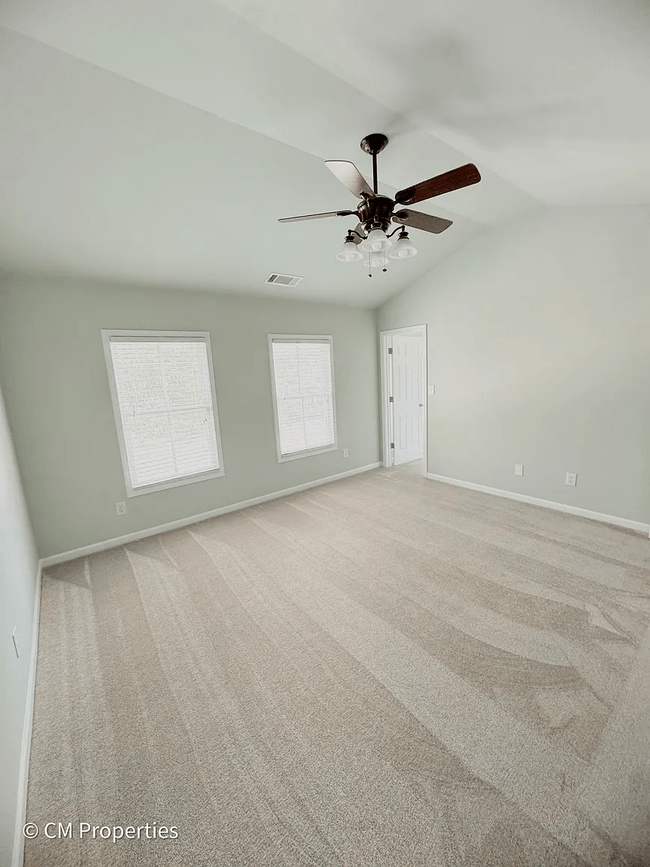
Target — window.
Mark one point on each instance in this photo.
(303, 395)
(162, 388)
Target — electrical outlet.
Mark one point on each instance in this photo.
(571, 479)
(120, 508)
(346, 453)
(15, 641)
(519, 469)
(432, 389)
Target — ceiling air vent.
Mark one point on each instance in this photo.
(283, 280)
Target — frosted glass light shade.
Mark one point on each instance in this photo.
(375, 242)
(375, 260)
(403, 249)
(350, 253)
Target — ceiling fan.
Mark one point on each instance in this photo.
(375, 212)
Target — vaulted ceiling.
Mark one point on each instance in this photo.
(159, 143)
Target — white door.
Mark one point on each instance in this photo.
(408, 397)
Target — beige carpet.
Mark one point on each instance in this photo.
(381, 671)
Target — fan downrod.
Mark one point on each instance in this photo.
(374, 143)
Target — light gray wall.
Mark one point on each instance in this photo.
(18, 573)
(56, 389)
(539, 349)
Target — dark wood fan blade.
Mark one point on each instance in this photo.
(418, 220)
(464, 176)
(317, 216)
(350, 176)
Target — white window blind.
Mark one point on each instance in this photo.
(302, 377)
(164, 394)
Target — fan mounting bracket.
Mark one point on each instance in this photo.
(374, 143)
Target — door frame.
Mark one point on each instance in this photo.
(386, 384)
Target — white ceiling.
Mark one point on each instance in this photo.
(158, 143)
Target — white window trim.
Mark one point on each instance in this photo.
(301, 338)
(107, 333)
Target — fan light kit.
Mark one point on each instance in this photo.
(376, 212)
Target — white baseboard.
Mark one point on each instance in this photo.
(194, 519)
(547, 504)
(21, 803)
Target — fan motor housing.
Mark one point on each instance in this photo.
(375, 213)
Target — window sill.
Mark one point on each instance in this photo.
(307, 454)
(174, 483)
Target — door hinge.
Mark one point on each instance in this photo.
(390, 400)
(390, 350)
(392, 445)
